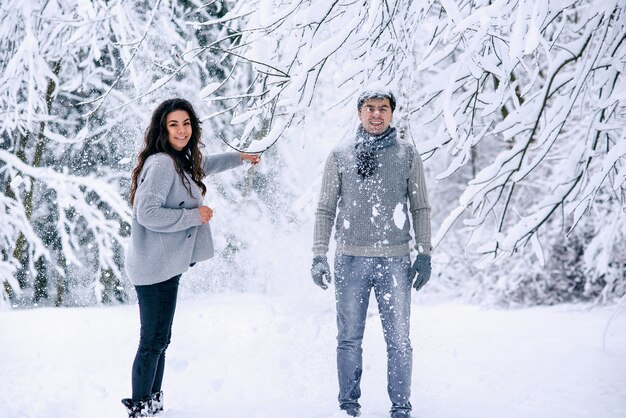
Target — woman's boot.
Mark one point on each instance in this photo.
(138, 409)
(157, 402)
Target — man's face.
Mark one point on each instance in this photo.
(375, 114)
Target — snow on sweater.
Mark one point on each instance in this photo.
(372, 217)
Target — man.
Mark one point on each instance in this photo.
(369, 180)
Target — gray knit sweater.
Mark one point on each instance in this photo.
(372, 218)
(167, 233)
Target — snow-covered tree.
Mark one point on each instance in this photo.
(49, 209)
(525, 98)
(540, 84)
(78, 80)
(517, 106)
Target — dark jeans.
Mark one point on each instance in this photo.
(355, 277)
(157, 303)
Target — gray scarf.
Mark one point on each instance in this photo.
(366, 147)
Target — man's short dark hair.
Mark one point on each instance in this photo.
(378, 93)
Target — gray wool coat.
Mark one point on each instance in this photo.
(167, 234)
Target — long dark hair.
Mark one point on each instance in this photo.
(189, 159)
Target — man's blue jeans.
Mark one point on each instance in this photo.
(354, 278)
(157, 304)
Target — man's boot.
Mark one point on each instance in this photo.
(401, 413)
(353, 411)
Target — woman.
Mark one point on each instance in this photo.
(170, 233)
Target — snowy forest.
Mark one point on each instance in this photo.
(518, 108)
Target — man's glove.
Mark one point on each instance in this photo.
(421, 269)
(320, 271)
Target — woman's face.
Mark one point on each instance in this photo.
(179, 129)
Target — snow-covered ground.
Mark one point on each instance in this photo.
(261, 356)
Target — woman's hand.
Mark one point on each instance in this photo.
(253, 158)
(206, 213)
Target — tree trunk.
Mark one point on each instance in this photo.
(41, 280)
(61, 285)
(20, 252)
(112, 287)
